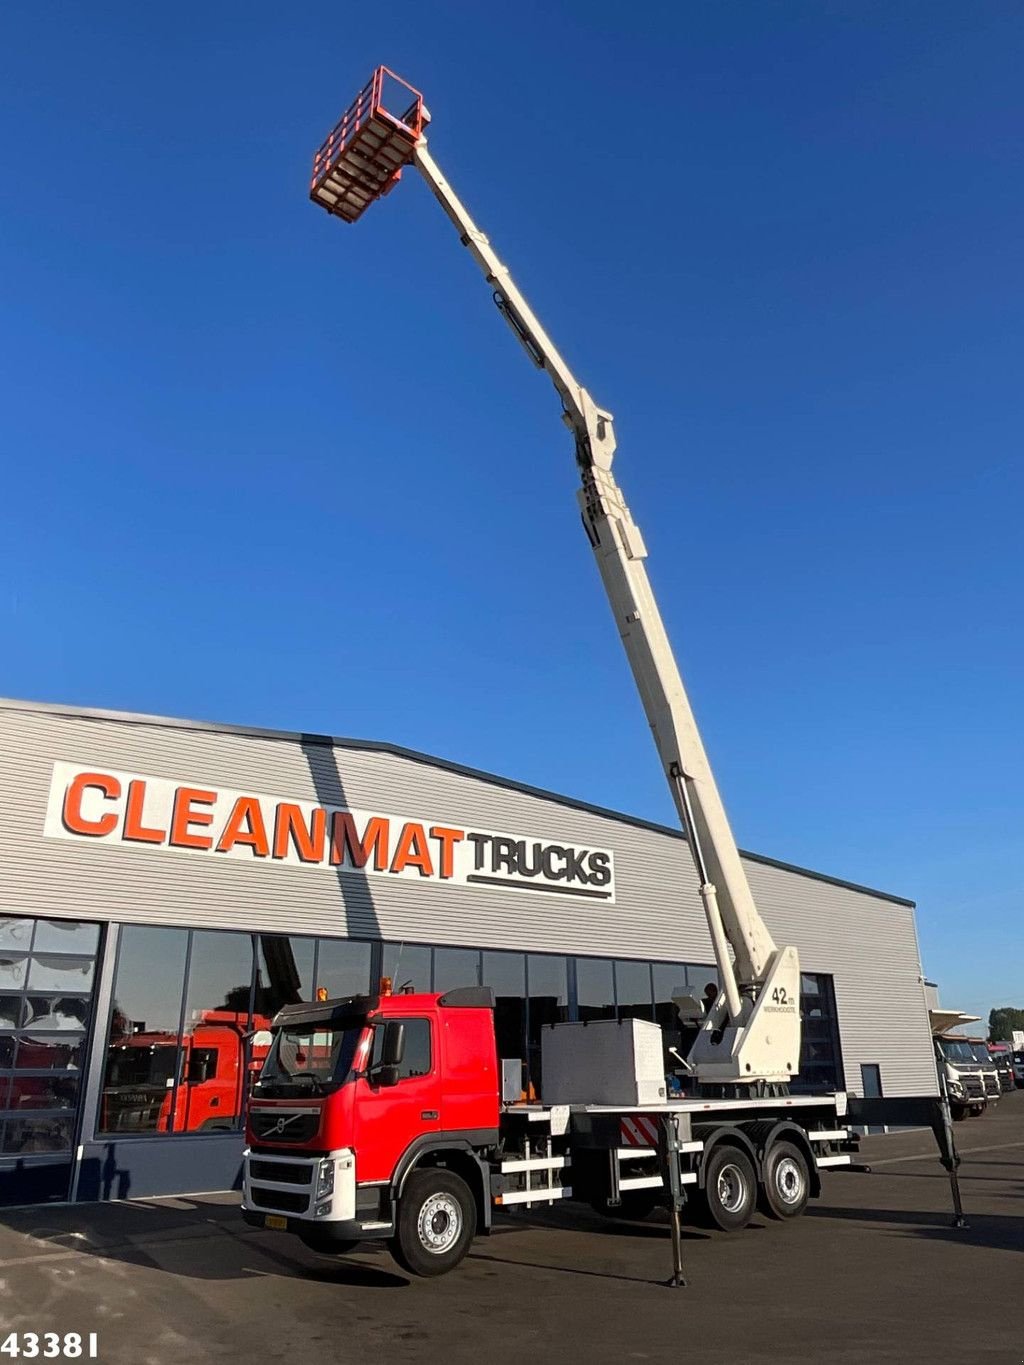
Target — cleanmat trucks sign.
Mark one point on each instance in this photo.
(159, 815)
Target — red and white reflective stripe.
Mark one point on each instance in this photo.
(639, 1131)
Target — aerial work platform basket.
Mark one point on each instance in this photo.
(362, 157)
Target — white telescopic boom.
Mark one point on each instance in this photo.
(620, 552)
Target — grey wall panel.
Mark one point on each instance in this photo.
(865, 941)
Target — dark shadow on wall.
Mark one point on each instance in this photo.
(359, 913)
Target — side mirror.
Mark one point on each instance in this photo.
(394, 1043)
(385, 1071)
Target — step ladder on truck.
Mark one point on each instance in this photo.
(391, 1116)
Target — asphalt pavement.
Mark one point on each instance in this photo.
(873, 1273)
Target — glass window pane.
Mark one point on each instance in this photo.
(343, 967)
(633, 990)
(547, 1004)
(284, 972)
(44, 1134)
(142, 1050)
(66, 936)
(505, 973)
(43, 1092)
(4, 1087)
(595, 988)
(39, 1052)
(15, 933)
(455, 967)
(11, 1009)
(408, 962)
(13, 971)
(6, 1050)
(50, 972)
(57, 1013)
(416, 1057)
(214, 1065)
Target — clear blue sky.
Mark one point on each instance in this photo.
(266, 468)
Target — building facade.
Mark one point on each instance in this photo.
(165, 886)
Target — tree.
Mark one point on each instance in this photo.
(1002, 1022)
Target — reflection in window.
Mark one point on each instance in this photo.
(142, 1049)
(66, 936)
(43, 1092)
(13, 971)
(454, 967)
(407, 963)
(212, 1083)
(633, 990)
(42, 1052)
(343, 967)
(10, 1011)
(50, 972)
(548, 1003)
(595, 988)
(821, 1064)
(505, 973)
(15, 933)
(57, 1013)
(46, 1133)
(284, 972)
(6, 1051)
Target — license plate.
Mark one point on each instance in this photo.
(274, 1220)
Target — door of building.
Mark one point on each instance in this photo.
(47, 978)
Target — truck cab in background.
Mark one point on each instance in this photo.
(987, 1068)
(964, 1081)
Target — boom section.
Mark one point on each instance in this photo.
(620, 552)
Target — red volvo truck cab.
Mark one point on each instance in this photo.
(364, 1103)
(211, 1070)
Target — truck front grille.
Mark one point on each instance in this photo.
(284, 1125)
(283, 1172)
(281, 1200)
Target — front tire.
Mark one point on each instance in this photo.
(436, 1223)
(730, 1189)
(787, 1181)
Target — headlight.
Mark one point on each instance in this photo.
(955, 1087)
(325, 1180)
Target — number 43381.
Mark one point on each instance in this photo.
(49, 1345)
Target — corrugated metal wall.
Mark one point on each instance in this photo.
(867, 943)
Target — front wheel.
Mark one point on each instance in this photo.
(730, 1189)
(787, 1181)
(977, 1112)
(436, 1223)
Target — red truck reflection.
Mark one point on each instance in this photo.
(213, 1071)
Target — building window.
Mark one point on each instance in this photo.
(408, 965)
(871, 1080)
(47, 970)
(142, 1045)
(633, 994)
(454, 967)
(595, 988)
(821, 1064)
(343, 967)
(547, 1002)
(284, 972)
(505, 973)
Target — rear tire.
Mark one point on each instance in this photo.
(436, 1222)
(787, 1181)
(730, 1189)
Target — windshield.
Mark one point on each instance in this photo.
(981, 1054)
(954, 1051)
(148, 1065)
(321, 1054)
